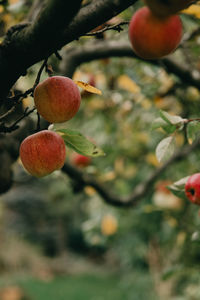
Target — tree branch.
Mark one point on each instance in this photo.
(93, 15)
(103, 49)
(29, 43)
(139, 192)
(25, 44)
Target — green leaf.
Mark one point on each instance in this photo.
(170, 119)
(165, 149)
(178, 187)
(160, 123)
(193, 131)
(79, 143)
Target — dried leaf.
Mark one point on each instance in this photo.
(87, 87)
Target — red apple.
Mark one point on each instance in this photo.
(192, 188)
(162, 8)
(57, 99)
(152, 37)
(42, 153)
(80, 160)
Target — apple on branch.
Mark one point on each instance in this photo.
(153, 37)
(57, 99)
(42, 153)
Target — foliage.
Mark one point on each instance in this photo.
(146, 122)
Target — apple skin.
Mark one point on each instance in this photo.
(162, 8)
(152, 37)
(57, 99)
(192, 188)
(80, 160)
(42, 153)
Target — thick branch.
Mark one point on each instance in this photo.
(27, 44)
(103, 49)
(93, 15)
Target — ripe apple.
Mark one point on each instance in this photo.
(152, 37)
(162, 8)
(192, 188)
(57, 99)
(80, 160)
(42, 153)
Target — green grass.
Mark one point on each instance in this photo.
(89, 287)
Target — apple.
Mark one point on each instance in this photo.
(80, 160)
(152, 37)
(192, 188)
(57, 99)
(162, 8)
(42, 153)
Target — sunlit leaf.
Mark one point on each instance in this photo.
(193, 10)
(87, 87)
(79, 143)
(174, 120)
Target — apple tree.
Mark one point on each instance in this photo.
(136, 131)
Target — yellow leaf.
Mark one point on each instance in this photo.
(146, 103)
(190, 141)
(90, 191)
(126, 83)
(192, 10)
(179, 139)
(27, 102)
(152, 160)
(109, 225)
(109, 176)
(88, 87)
(181, 238)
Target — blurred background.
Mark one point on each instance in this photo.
(59, 239)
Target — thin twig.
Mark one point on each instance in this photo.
(14, 126)
(40, 73)
(116, 27)
(16, 100)
(38, 122)
(9, 112)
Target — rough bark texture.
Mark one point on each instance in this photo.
(55, 26)
(51, 24)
